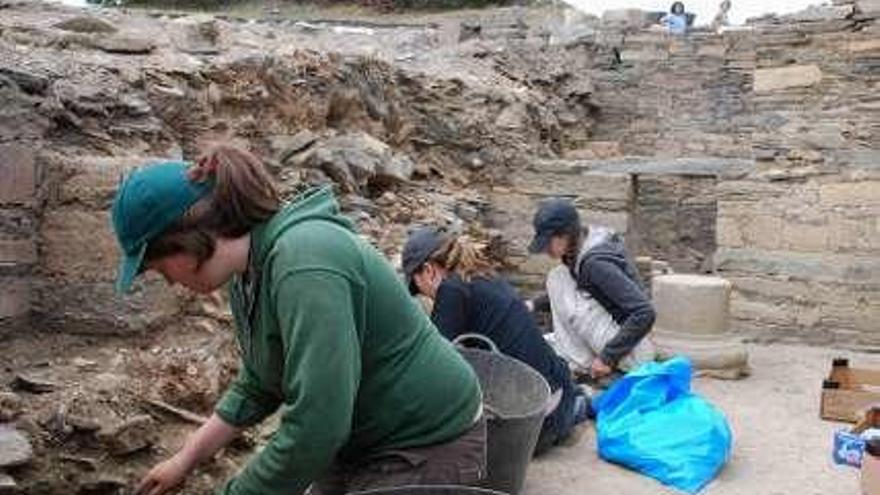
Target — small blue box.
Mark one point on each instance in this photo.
(849, 448)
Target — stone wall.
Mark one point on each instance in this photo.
(74, 282)
(666, 209)
(601, 197)
(800, 236)
(792, 219)
(674, 219)
(676, 97)
(18, 249)
(802, 257)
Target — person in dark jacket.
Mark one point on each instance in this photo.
(468, 298)
(598, 262)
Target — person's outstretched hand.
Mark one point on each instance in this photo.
(598, 368)
(201, 445)
(165, 476)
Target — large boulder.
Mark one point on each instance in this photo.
(353, 160)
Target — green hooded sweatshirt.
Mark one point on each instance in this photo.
(330, 334)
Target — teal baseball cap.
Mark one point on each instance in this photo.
(149, 201)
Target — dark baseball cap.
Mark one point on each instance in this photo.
(420, 245)
(149, 201)
(554, 216)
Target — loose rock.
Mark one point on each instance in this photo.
(10, 406)
(104, 486)
(55, 423)
(125, 45)
(15, 448)
(469, 30)
(132, 435)
(86, 463)
(201, 38)
(358, 203)
(28, 81)
(84, 364)
(83, 424)
(399, 168)
(86, 24)
(32, 384)
(285, 147)
(8, 485)
(354, 159)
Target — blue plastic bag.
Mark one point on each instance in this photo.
(651, 422)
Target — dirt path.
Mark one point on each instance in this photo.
(781, 445)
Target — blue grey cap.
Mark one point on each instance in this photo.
(554, 216)
(419, 247)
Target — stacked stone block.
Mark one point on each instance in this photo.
(18, 248)
(799, 238)
(677, 97)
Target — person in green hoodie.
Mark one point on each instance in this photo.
(370, 394)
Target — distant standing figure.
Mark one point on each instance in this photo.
(676, 21)
(721, 19)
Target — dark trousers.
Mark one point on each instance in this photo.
(461, 461)
(559, 424)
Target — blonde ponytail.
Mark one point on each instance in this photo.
(459, 255)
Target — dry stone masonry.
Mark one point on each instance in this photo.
(771, 179)
(799, 237)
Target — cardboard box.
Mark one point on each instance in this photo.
(848, 391)
(849, 446)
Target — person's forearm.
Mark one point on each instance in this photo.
(208, 439)
(631, 333)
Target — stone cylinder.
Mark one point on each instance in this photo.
(696, 305)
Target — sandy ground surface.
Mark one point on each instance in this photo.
(781, 444)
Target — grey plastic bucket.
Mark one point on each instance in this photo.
(430, 490)
(515, 399)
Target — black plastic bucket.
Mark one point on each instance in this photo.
(430, 490)
(515, 399)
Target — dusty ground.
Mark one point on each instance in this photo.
(781, 445)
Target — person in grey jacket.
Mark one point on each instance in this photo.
(599, 264)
